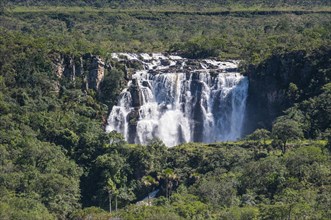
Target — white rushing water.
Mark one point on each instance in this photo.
(179, 100)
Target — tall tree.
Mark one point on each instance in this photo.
(111, 189)
(170, 178)
(286, 130)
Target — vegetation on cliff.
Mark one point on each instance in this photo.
(297, 83)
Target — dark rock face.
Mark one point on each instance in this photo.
(165, 62)
(135, 94)
(269, 85)
(133, 119)
(196, 88)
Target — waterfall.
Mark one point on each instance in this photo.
(179, 100)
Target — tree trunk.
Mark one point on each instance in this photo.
(167, 190)
(284, 147)
(116, 203)
(109, 195)
(289, 213)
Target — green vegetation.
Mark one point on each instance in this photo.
(286, 130)
(175, 4)
(235, 181)
(294, 84)
(56, 161)
(250, 33)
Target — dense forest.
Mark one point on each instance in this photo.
(57, 161)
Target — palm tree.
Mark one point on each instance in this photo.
(149, 181)
(170, 178)
(111, 188)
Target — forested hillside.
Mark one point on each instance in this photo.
(57, 161)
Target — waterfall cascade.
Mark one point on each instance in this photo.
(179, 100)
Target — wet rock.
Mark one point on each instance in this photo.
(193, 63)
(232, 70)
(165, 62)
(146, 84)
(214, 73)
(132, 118)
(153, 72)
(135, 94)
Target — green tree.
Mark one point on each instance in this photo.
(110, 171)
(217, 191)
(264, 177)
(19, 207)
(308, 164)
(286, 130)
(170, 178)
(111, 87)
(112, 191)
(3, 4)
(298, 204)
(258, 135)
(149, 181)
(329, 142)
(293, 92)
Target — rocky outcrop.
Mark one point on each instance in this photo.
(133, 116)
(58, 65)
(135, 94)
(96, 72)
(64, 66)
(269, 84)
(89, 67)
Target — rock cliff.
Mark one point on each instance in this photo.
(281, 81)
(90, 68)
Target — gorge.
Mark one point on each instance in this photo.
(180, 100)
